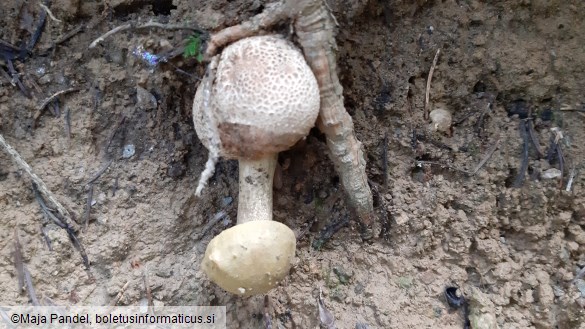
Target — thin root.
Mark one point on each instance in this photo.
(45, 8)
(428, 90)
(143, 26)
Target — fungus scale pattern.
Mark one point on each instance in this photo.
(264, 98)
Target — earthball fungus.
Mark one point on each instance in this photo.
(261, 100)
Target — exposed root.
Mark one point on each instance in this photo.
(315, 29)
(428, 89)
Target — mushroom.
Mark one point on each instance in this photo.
(263, 100)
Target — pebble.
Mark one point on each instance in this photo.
(441, 120)
(580, 286)
(551, 173)
(129, 151)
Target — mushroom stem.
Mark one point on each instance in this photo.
(255, 197)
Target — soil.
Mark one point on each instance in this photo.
(513, 244)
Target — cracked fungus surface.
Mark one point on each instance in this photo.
(264, 94)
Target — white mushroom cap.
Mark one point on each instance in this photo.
(264, 99)
(250, 258)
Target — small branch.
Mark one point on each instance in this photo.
(147, 289)
(144, 26)
(37, 34)
(488, 155)
(55, 95)
(110, 33)
(570, 181)
(18, 262)
(120, 294)
(70, 34)
(99, 173)
(41, 185)
(534, 139)
(329, 231)
(325, 316)
(445, 165)
(29, 288)
(68, 123)
(88, 206)
(561, 163)
(385, 160)
(46, 237)
(428, 90)
(48, 213)
(78, 246)
(45, 8)
(519, 180)
(385, 223)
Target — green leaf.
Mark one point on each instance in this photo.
(193, 48)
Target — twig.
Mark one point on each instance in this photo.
(46, 211)
(114, 132)
(68, 122)
(480, 121)
(99, 173)
(64, 225)
(561, 163)
(428, 89)
(570, 181)
(78, 246)
(109, 33)
(147, 288)
(444, 165)
(534, 139)
(432, 141)
(267, 317)
(488, 155)
(29, 288)
(385, 223)
(88, 206)
(50, 13)
(37, 34)
(308, 226)
(7, 77)
(18, 262)
(327, 319)
(69, 34)
(120, 294)
(519, 180)
(41, 185)
(214, 220)
(385, 161)
(7, 322)
(144, 26)
(15, 79)
(55, 95)
(46, 237)
(329, 231)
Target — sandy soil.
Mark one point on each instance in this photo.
(513, 249)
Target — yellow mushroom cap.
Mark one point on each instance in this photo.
(250, 258)
(264, 98)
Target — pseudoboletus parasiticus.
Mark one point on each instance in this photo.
(261, 101)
